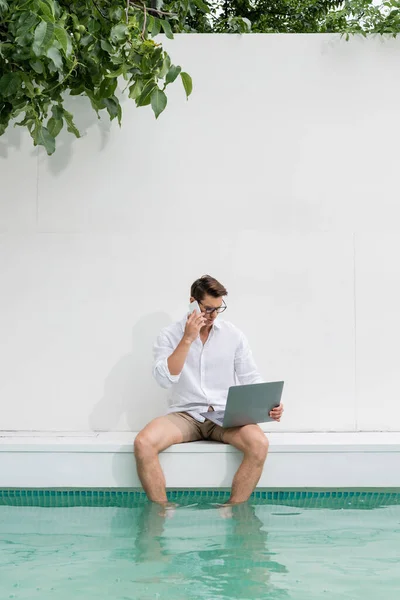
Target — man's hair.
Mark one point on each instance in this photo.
(207, 285)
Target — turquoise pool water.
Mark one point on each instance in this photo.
(116, 546)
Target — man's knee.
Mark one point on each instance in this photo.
(143, 445)
(256, 446)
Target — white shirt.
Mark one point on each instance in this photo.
(209, 370)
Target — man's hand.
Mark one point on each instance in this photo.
(276, 413)
(194, 323)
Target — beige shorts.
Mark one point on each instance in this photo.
(193, 431)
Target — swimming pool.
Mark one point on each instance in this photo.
(113, 544)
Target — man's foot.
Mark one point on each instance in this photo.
(166, 509)
(225, 511)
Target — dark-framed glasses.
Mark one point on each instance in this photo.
(209, 310)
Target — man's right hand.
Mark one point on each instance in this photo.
(194, 323)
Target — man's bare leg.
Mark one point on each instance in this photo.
(251, 440)
(158, 435)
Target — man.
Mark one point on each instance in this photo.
(198, 359)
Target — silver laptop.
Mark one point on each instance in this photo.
(247, 404)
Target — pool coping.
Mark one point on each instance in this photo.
(105, 460)
(14, 441)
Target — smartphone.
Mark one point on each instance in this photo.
(194, 306)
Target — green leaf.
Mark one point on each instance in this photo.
(57, 111)
(167, 29)
(93, 26)
(165, 66)
(107, 88)
(3, 126)
(113, 108)
(158, 101)
(118, 33)
(54, 54)
(172, 74)
(54, 126)
(187, 83)
(96, 103)
(202, 6)
(4, 47)
(43, 137)
(27, 81)
(64, 39)
(3, 7)
(107, 46)
(150, 23)
(145, 96)
(37, 66)
(155, 30)
(117, 73)
(47, 9)
(70, 123)
(26, 25)
(43, 37)
(9, 84)
(136, 89)
(77, 91)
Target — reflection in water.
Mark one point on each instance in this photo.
(207, 552)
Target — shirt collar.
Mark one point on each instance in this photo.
(216, 325)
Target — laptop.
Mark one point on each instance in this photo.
(247, 404)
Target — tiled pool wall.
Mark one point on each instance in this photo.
(313, 498)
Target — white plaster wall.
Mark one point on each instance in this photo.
(279, 177)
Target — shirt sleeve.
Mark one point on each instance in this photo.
(245, 367)
(162, 350)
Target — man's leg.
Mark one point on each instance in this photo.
(251, 440)
(158, 435)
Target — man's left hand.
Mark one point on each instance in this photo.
(276, 413)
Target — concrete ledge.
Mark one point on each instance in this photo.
(296, 460)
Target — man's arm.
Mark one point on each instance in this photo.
(246, 371)
(245, 367)
(168, 363)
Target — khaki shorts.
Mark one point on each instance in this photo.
(193, 431)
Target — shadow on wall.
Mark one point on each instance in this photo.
(12, 140)
(85, 119)
(129, 388)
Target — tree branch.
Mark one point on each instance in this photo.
(100, 11)
(152, 10)
(144, 22)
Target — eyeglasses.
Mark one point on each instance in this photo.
(218, 310)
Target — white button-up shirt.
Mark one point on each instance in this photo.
(209, 371)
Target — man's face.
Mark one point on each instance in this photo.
(206, 305)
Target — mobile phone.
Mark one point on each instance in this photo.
(194, 306)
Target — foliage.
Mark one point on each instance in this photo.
(289, 16)
(51, 47)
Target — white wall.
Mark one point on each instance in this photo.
(279, 177)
